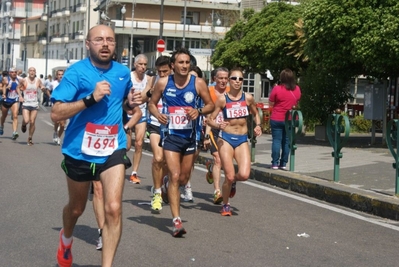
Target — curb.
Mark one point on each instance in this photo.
(321, 189)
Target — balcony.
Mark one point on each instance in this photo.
(78, 36)
(170, 29)
(55, 38)
(80, 8)
(42, 40)
(65, 38)
(58, 13)
(66, 12)
(27, 39)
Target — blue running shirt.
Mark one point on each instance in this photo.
(175, 101)
(95, 132)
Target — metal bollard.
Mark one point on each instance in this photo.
(293, 127)
(392, 137)
(337, 124)
(251, 136)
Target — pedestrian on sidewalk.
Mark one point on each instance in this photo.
(282, 98)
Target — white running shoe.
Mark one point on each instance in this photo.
(187, 194)
(99, 240)
(55, 137)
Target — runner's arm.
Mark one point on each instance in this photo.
(152, 104)
(252, 106)
(220, 103)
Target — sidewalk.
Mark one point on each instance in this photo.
(367, 178)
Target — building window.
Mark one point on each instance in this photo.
(265, 88)
(249, 83)
(175, 43)
(192, 18)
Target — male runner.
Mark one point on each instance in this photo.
(180, 94)
(59, 126)
(31, 86)
(10, 101)
(159, 170)
(94, 148)
(139, 80)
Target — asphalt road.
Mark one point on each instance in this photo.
(269, 226)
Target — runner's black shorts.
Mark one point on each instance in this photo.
(153, 129)
(84, 171)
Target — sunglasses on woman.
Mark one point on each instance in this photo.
(237, 78)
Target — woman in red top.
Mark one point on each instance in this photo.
(282, 98)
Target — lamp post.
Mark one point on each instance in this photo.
(131, 37)
(46, 17)
(123, 11)
(161, 19)
(8, 6)
(13, 37)
(184, 23)
(26, 36)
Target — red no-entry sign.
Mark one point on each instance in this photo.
(160, 45)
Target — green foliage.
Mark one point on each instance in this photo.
(260, 41)
(322, 93)
(360, 125)
(353, 37)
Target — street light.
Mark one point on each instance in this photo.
(13, 37)
(161, 19)
(184, 23)
(123, 11)
(131, 37)
(8, 7)
(45, 17)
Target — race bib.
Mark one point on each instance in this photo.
(30, 95)
(100, 140)
(219, 117)
(236, 109)
(178, 119)
(12, 94)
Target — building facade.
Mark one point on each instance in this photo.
(12, 15)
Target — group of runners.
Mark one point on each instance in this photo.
(105, 102)
(25, 91)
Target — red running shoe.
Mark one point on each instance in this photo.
(226, 210)
(178, 229)
(64, 253)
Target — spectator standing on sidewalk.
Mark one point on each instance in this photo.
(282, 98)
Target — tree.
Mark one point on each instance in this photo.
(260, 41)
(353, 37)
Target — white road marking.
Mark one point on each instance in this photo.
(303, 199)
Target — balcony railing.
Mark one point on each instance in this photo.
(171, 27)
(78, 36)
(65, 12)
(27, 39)
(79, 8)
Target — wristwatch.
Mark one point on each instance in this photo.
(207, 137)
(199, 110)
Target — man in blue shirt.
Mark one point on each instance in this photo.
(91, 95)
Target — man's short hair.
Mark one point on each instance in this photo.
(181, 50)
(162, 61)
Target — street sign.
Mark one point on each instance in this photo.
(160, 45)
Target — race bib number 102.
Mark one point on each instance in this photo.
(100, 140)
(178, 119)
